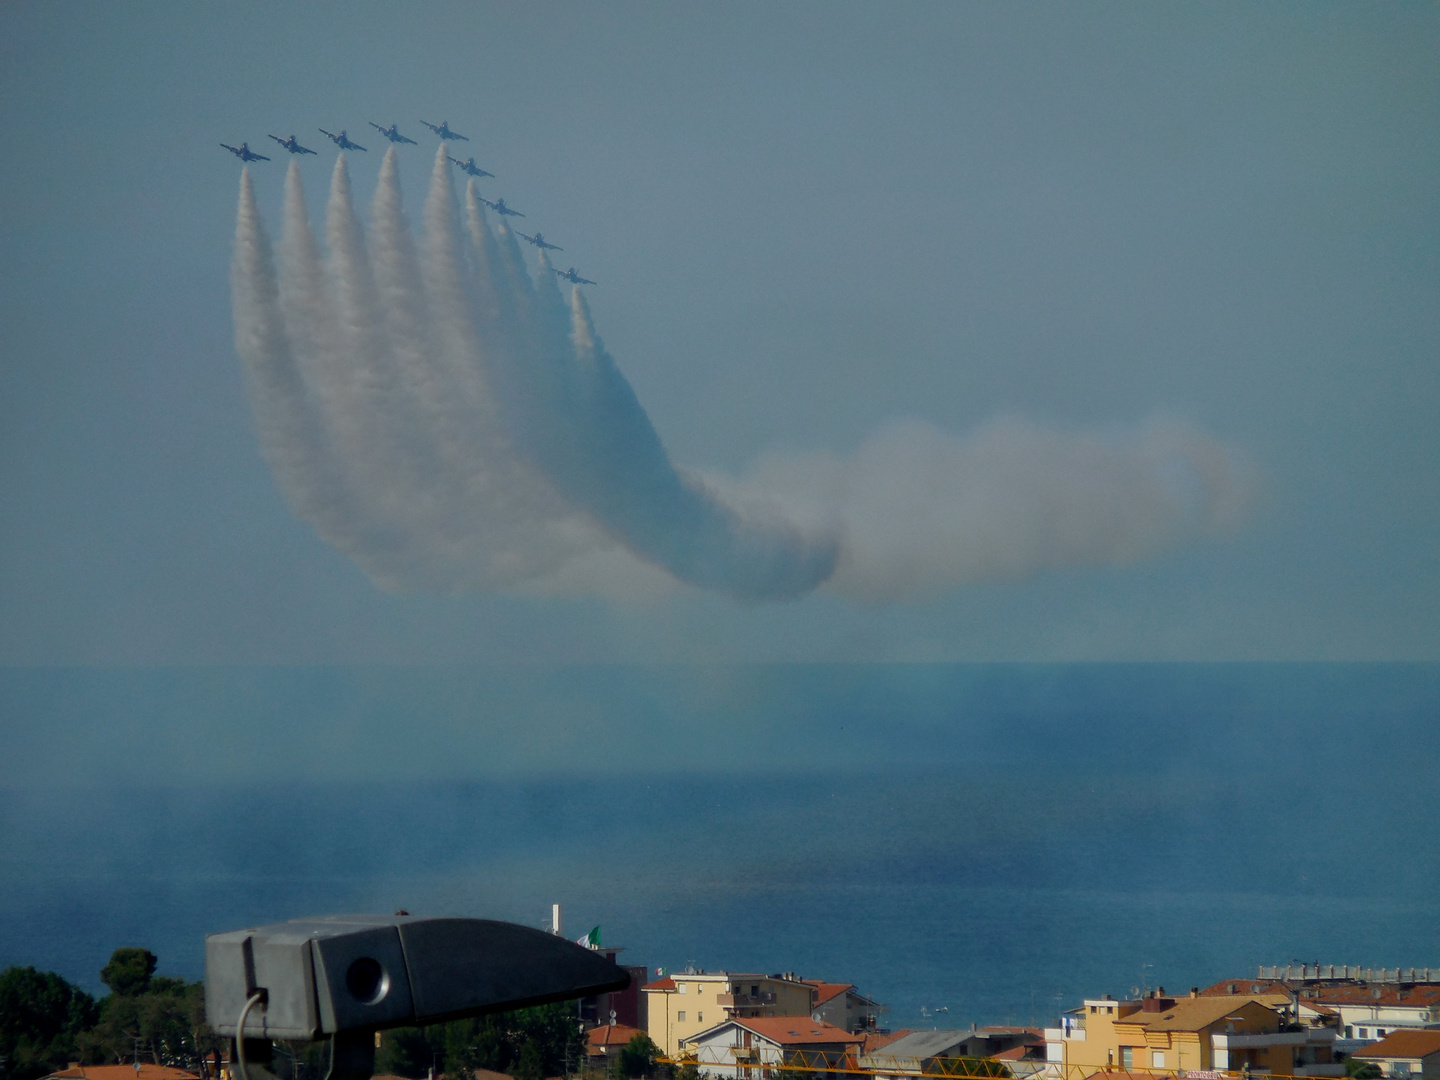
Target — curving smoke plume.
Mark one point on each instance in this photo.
(449, 423)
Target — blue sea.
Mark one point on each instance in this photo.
(993, 841)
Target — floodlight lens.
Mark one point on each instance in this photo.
(366, 980)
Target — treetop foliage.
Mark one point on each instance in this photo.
(47, 1022)
(129, 970)
(41, 1017)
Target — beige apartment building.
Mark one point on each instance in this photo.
(681, 1006)
(1195, 1033)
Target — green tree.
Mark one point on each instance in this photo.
(129, 970)
(638, 1056)
(155, 1018)
(407, 1051)
(1361, 1070)
(553, 1033)
(41, 1017)
(478, 1043)
(529, 1063)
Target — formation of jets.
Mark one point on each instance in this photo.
(539, 241)
(341, 140)
(291, 145)
(392, 133)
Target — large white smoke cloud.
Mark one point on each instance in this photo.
(449, 423)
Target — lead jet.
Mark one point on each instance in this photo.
(500, 208)
(391, 134)
(573, 276)
(470, 167)
(292, 145)
(539, 241)
(342, 140)
(244, 153)
(443, 130)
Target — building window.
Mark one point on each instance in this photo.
(680, 1016)
(1127, 1057)
(1364, 1033)
(699, 1018)
(1157, 1059)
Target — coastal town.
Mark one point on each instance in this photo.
(1296, 1020)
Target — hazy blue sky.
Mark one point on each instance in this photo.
(807, 220)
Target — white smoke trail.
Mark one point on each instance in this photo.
(287, 422)
(369, 413)
(451, 424)
(922, 511)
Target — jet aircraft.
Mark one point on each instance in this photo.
(291, 145)
(391, 134)
(573, 276)
(539, 241)
(443, 130)
(342, 140)
(244, 153)
(470, 167)
(500, 208)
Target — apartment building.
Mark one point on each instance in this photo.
(758, 1048)
(1364, 1011)
(683, 1005)
(1406, 1055)
(845, 1007)
(1194, 1033)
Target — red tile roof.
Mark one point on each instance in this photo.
(1416, 997)
(1015, 1053)
(1420, 996)
(1405, 1043)
(796, 1030)
(824, 991)
(1245, 988)
(666, 983)
(607, 1035)
(124, 1072)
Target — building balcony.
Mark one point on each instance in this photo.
(1261, 1039)
(745, 1001)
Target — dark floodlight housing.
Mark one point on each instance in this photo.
(347, 976)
